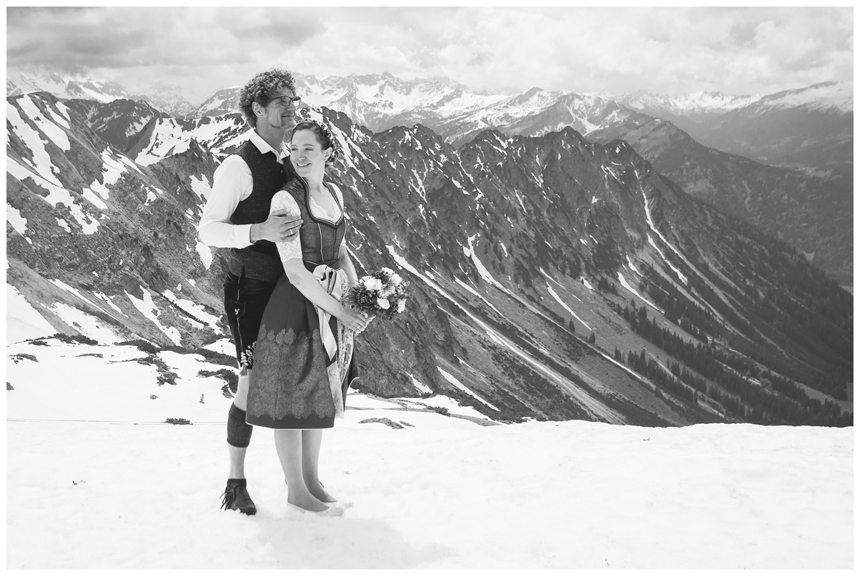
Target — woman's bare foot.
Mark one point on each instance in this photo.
(319, 492)
(305, 501)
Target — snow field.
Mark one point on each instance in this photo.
(22, 320)
(95, 479)
(536, 495)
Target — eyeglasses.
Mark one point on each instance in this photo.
(287, 100)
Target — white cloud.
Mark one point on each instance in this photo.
(671, 50)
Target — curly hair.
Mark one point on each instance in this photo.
(324, 137)
(262, 89)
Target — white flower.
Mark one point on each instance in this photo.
(372, 284)
(396, 279)
(386, 292)
(387, 271)
(383, 303)
(401, 306)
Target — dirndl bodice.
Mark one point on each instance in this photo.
(320, 237)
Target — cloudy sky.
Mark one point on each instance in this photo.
(672, 50)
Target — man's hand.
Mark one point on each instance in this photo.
(278, 228)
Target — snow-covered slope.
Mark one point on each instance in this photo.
(169, 136)
(102, 216)
(97, 480)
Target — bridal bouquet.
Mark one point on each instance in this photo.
(382, 293)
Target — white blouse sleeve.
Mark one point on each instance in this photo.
(283, 203)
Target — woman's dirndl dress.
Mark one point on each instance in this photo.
(303, 363)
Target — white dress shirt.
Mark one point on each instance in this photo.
(231, 184)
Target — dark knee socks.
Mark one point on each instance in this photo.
(238, 432)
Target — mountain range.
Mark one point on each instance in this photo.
(783, 162)
(166, 97)
(552, 276)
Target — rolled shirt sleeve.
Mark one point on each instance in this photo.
(232, 183)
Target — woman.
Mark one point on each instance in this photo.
(303, 357)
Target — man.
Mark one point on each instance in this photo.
(236, 216)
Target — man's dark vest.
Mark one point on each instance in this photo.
(259, 260)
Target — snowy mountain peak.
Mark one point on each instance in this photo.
(62, 85)
(838, 96)
(168, 97)
(534, 93)
(695, 102)
(224, 101)
(165, 91)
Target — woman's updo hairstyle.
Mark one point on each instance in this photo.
(324, 137)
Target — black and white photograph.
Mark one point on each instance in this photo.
(333, 287)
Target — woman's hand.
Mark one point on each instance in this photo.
(354, 320)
